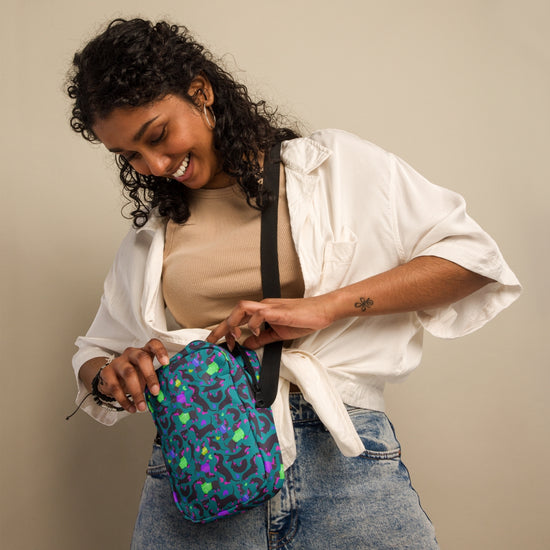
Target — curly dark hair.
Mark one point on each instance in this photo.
(136, 62)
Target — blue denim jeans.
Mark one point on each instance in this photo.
(328, 501)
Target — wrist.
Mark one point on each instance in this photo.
(100, 398)
(98, 381)
(89, 370)
(337, 307)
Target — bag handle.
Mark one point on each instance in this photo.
(271, 286)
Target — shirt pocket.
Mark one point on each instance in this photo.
(337, 257)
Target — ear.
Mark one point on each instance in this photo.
(200, 91)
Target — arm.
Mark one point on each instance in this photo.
(423, 283)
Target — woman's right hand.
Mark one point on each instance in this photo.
(128, 374)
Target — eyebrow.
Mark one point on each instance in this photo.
(139, 133)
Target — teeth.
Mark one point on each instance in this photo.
(181, 170)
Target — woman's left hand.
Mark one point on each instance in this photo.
(287, 318)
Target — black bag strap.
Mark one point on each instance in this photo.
(271, 286)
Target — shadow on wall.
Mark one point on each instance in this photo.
(101, 464)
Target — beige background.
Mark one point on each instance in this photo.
(460, 89)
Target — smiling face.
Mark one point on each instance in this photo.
(168, 138)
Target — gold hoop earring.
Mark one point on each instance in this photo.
(209, 116)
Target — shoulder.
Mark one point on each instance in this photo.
(333, 147)
(335, 138)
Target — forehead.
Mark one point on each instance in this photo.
(124, 126)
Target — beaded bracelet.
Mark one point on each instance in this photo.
(99, 397)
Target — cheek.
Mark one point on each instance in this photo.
(193, 139)
(191, 134)
(140, 167)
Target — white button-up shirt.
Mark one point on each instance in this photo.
(355, 211)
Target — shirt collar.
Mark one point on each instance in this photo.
(303, 154)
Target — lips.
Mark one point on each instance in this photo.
(180, 172)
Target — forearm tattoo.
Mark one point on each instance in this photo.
(364, 304)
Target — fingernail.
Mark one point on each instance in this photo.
(154, 389)
(165, 360)
(132, 409)
(141, 406)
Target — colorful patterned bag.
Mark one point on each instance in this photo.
(220, 450)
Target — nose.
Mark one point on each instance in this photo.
(157, 163)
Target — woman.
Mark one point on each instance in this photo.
(370, 254)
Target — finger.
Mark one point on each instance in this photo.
(156, 347)
(257, 320)
(132, 380)
(123, 401)
(222, 332)
(219, 332)
(147, 369)
(110, 385)
(241, 314)
(231, 325)
(230, 342)
(263, 338)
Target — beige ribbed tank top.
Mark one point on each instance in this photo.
(213, 260)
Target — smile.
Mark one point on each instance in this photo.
(183, 167)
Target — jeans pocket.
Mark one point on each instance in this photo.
(376, 433)
(157, 467)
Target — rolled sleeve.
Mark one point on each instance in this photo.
(432, 221)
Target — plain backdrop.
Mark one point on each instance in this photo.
(459, 89)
